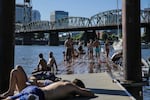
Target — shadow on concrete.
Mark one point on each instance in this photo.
(109, 92)
(82, 98)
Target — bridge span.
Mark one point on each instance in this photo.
(107, 20)
(101, 21)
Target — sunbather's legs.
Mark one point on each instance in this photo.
(21, 78)
(18, 79)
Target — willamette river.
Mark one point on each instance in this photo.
(27, 56)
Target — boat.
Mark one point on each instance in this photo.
(117, 45)
(145, 64)
(145, 68)
(145, 45)
(148, 61)
(117, 58)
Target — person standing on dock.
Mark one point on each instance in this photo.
(68, 45)
(90, 49)
(80, 48)
(96, 44)
(51, 62)
(72, 48)
(107, 47)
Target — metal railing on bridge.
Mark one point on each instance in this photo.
(107, 18)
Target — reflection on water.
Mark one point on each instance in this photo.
(27, 56)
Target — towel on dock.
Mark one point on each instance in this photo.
(46, 75)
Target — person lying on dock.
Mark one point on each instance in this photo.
(61, 89)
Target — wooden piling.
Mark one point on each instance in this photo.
(7, 26)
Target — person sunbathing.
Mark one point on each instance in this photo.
(55, 90)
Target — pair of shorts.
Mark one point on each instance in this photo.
(27, 92)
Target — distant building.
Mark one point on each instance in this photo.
(147, 9)
(57, 15)
(36, 16)
(147, 12)
(23, 13)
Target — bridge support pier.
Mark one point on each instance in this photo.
(147, 29)
(132, 45)
(147, 32)
(27, 38)
(7, 20)
(53, 39)
(89, 34)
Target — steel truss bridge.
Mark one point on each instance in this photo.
(108, 19)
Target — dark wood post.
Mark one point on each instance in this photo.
(7, 26)
(132, 44)
(132, 39)
(53, 39)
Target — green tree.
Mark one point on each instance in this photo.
(104, 36)
(146, 37)
(39, 36)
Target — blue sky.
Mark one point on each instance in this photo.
(78, 8)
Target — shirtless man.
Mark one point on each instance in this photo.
(68, 45)
(42, 64)
(107, 47)
(90, 49)
(96, 43)
(51, 62)
(56, 90)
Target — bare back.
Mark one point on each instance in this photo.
(51, 61)
(43, 64)
(64, 89)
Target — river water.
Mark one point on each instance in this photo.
(27, 56)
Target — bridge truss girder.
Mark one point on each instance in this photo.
(107, 18)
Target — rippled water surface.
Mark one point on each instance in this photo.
(27, 56)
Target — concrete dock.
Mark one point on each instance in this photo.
(98, 74)
(102, 85)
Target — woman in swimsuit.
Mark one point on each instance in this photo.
(107, 48)
(60, 89)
